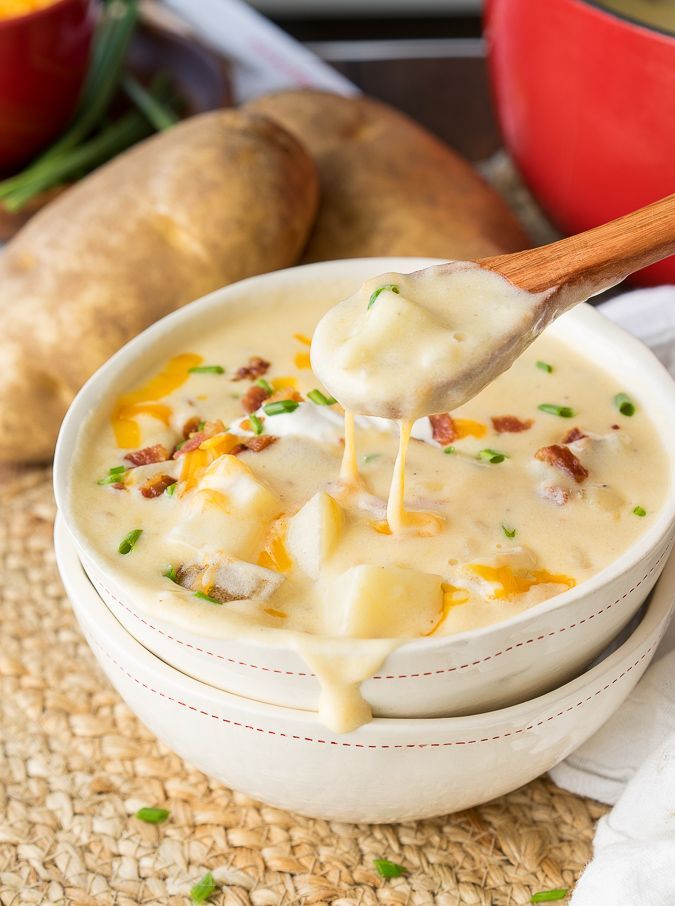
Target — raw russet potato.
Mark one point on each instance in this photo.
(222, 196)
(389, 187)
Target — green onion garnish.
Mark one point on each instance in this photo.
(171, 490)
(493, 456)
(170, 573)
(204, 597)
(639, 511)
(548, 896)
(449, 450)
(261, 382)
(207, 369)
(509, 532)
(554, 409)
(152, 815)
(624, 404)
(316, 396)
(203, 889)
(117, 470)
(545, 366)
(371, 457)
(127, 543)
(387, 869)
(181, 443)
(280, 406)
(390, 286)
(256, 423)
(114, 475)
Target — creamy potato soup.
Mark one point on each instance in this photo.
(228, 492)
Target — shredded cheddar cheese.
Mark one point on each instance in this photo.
(466, 427)
(302, 338)
(275, 555)
(516, 582)
(301, 360)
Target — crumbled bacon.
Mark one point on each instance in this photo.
(443, 428)
(148, 455)
(191, 426)
(510, 424)
(572, 435)
(254, 444)
(255, 368)
(562, 458)
(210, 429)
(254, 397)
(556, 495)
(156, 485)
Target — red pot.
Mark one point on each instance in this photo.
(44, 57)
(585, 99)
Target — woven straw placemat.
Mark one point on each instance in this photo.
(75, 765)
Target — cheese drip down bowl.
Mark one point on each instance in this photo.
(474, 669)
(388, 770)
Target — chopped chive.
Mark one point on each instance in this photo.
(316, 396)
(171, 490)
(261, 382)
(493, 456)
(280, 406)
(371, 457)
(387, 869)
(117, 470)
(170, 573)
(509, 532)
(180, 444)
(548, 896)
(152, 815)
(256, 423)
(114, 475)
(624, 404)
(554, 409)
(128, 542)
(639, 511)
(204, 597)
(450, 450)
(200, 426)
(544, 366)
(387, 286)
(207, 369)
(203, 889)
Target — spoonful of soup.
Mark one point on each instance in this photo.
(408, 345)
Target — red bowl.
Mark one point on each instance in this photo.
(43, 61)
(585, 100)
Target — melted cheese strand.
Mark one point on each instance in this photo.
(349, 470)
(398, 518)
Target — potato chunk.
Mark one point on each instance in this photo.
(313, 532)
(384, 602)
(229, 511)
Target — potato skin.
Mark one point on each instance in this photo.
(389, 187)
(220, 197)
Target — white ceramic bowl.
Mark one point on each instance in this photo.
(389, 769)
(485, 668)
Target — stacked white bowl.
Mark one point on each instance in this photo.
(459, 719)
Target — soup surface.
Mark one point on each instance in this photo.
(211, 486)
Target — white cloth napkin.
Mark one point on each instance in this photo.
(630, 762)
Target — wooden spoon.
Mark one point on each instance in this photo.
(581, 266)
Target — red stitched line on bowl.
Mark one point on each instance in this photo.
(356, 745)
(391, 676)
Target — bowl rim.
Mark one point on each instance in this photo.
(43, 11)
(108, 374)
(78, 586)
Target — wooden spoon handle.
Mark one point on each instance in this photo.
(596, 259)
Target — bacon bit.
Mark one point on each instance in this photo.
(148, 455)
(556, 494)
(156, 485)
(254, 444)
(256, 368)
(562, 458)
(616, 427)
(572, 435)
(510, 424)
(191, 426)
(253, 399)
(443, 428)
(210, 429)
(119, 486)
